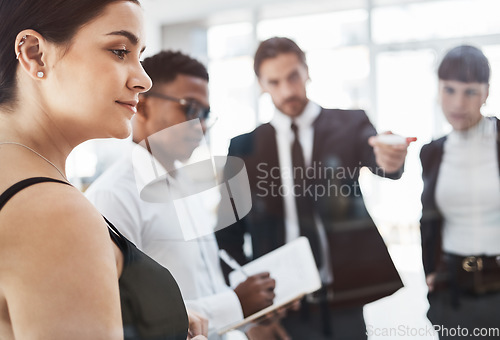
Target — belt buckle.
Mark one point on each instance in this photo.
(473, 263)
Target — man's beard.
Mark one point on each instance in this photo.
(293, 106)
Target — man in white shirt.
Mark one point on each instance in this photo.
(170, 123)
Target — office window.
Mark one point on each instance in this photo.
(340, 77)
(319, 31)
(406, 105)
(435, 20)
(232, 82)
(231, 40)
(231, 99)
(407, 93)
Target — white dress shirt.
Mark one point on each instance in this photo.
(284, 139)
(468, 191)
(155, 229)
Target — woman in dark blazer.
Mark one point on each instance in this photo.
(460, 222)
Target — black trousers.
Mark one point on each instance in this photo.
(345, 324)
(475, 317)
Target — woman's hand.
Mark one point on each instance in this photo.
(198, 326)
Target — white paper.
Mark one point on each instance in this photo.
(294, 269)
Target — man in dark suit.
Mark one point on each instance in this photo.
(303, 169)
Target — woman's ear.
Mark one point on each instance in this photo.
(30, 48)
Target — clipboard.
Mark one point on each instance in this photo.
(294, 269)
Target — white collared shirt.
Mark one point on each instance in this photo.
(468, 191)
(155, 229)
(284, 139)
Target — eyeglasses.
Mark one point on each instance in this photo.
(192, 108)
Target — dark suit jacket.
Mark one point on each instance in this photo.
(431, 222)
(362, 268)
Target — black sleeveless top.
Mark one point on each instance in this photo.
(151, 302)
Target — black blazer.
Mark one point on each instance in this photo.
(362, 268)
(431, 222)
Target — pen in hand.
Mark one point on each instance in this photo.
(231, 262)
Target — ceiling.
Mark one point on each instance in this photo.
(177, 11)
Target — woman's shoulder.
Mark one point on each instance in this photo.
(49, 212)
(435, 146)
(55, 250)
(41, 197)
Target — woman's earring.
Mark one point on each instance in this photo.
(39, 74)
(23, 40)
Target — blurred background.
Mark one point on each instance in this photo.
(378, 55)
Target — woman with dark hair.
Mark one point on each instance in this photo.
(460, 222)
(70, 71)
